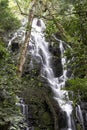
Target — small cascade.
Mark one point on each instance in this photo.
(39, 50)
(19, 34)
(63, 99)
(24, 111)
(79, 116)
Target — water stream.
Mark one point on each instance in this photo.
(79, 116)
(39, 49)
(24, 111)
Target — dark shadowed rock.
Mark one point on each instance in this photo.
(84, 105)
(15, 46)
(38, 23)
(56, 59)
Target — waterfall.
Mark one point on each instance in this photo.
(39, 50)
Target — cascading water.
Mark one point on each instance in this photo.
(39, 50)
(79, 116)
(24, 111)
(19, 34)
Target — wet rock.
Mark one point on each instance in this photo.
(5, 126)
(83, 105)
(56, 59)
(61, 115)
(59, 35)
(84, 112)
(39, 114)
(57, 67)
(38, 23)
(15, 46)
(31, 67)
(62, 120)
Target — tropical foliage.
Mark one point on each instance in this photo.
(7, 20)
(10, 114)
(68, 19)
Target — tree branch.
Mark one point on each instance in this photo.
(58, 25)
(78, 12)
(22, 13)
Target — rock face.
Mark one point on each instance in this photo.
(15, 46)
(39, 114)
(56, 59)
(84, 112)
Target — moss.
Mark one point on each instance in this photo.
(46, 118)
(34, 97)
(79, 127)
(37, 128)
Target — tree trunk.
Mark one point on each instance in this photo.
(22, 56)
(55, 118)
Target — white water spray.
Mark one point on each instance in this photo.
(39, 50)
(24, 111)
(19, 34)
(79, 115)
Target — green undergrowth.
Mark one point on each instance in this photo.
(79, 88)
(8, 21)
(10, 115)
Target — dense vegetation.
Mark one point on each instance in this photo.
(67, 20)
(7, 20)
(10, 114)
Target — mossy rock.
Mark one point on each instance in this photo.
(46, 118)
(37, 128)
(79, 127)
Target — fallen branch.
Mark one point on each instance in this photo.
(22, 56)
